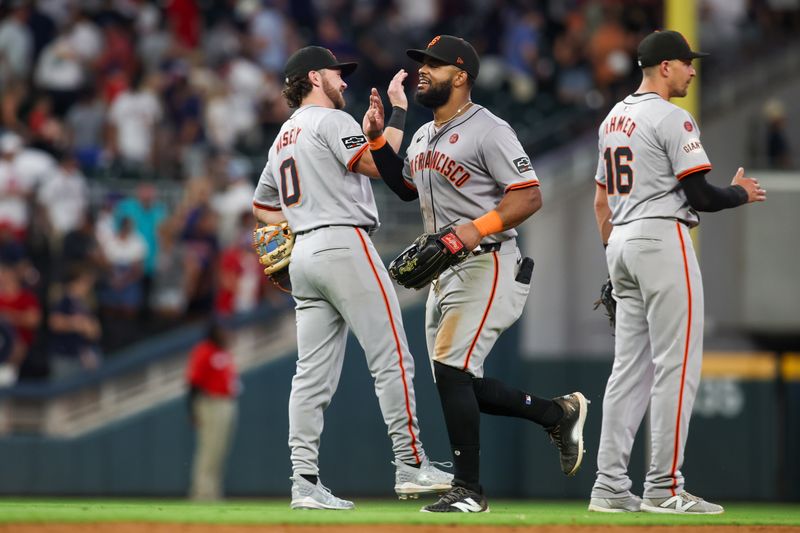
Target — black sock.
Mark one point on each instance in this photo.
(463, 419)
(497, 398)
(466, 462)
(310, 479)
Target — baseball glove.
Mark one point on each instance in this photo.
(273, 244)
(607, 301)
(428, 256)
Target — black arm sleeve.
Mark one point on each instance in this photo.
(703, 196)
(390, 166)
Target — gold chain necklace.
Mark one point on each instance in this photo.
(438, 123)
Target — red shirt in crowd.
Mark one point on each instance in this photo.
(212, 370)
(22, 301)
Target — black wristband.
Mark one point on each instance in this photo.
(398, 118)
(743, 197)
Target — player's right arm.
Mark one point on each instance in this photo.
(602, 211)
(602, 214)
(268, 217)
(266, 199)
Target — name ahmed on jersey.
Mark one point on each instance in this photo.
(621, 123)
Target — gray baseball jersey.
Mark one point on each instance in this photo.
(461, 171)
(464, 168)
(338, 280)
(310, 172)
(647, 145)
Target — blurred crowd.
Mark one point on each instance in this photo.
(179, 98)
(76, 282)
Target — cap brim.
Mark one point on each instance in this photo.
(420, 55)
(698, 55)
(345, 68)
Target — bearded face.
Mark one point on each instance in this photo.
(432, 94)
(334, 91)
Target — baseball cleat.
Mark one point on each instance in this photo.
(626, 504)
(683, 503)
(306, 495)
(567, 434)
(459, 500)
(411, 482)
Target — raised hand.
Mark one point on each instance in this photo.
(373, 118)
(754, 191)
(396, 91)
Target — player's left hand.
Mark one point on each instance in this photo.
(396, 91)
(373, 118)
(751, 186)
(468, 234)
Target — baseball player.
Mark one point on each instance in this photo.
(650, 184)
(467, 168)
(315, 178)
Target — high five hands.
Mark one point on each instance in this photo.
(374, 118)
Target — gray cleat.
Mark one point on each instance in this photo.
(567, 434)
(683, 503)
(626, 504)
(410, 482)
(306, 495)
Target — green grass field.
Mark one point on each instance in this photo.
(509, 513)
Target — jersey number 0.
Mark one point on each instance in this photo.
(290, 183)
(619, 174)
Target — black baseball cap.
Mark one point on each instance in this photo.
(664, 46)
(452, 51)
(315, 58)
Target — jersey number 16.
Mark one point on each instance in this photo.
(619, 174)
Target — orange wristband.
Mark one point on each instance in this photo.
(489, 223)
(378, 143)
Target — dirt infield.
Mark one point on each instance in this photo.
(369, 528)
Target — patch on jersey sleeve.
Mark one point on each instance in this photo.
(688, 126)
(354, 141)
(692, 146)
(523, 164)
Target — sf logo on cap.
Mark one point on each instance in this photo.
(434, 41)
